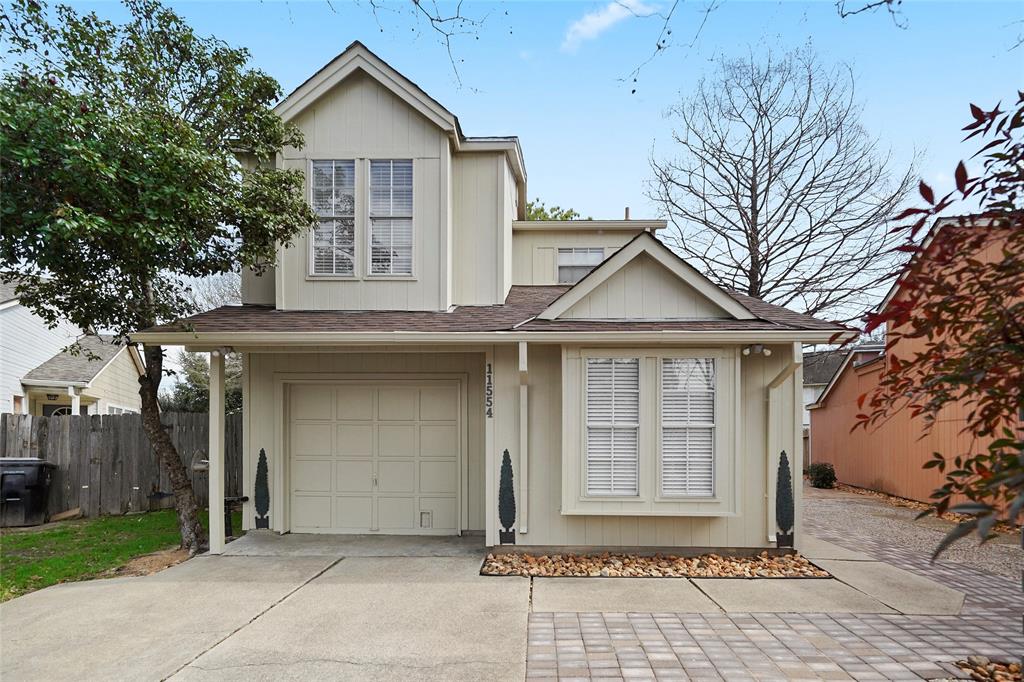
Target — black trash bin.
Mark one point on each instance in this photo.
(24, 488)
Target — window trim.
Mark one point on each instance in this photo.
(611, 425)
(659, 415)
(311, 274)
(729, 472)
(368, 247)
(559, 249)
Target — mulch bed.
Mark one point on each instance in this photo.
(609, 565)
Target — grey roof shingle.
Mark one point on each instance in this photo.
(96, 352)
(521, 306)
(821, 366)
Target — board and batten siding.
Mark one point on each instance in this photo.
(750, 527)
(535, 252)
(644, 288)
(265, 416)
(361, 119)
(484, 195)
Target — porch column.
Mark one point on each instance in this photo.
(76, 400)
(216, 452)
(524, 440)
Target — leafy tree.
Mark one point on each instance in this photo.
(959, 308)
(777, 190)
(119, 178)
(536, 210)
(192, 392)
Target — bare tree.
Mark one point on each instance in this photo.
(214, 291)
(777, 190)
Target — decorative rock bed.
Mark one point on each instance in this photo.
(982, 669)
(609, 565)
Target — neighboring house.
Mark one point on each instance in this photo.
(819, 368)
(423, 326)
(888, 456)
(37, 375)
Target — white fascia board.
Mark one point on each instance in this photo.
(237, 340)
(53, 383)
(646, 243)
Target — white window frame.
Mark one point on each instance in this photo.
(613, 425)
(573, 250)
(368, 250)
(688, 424)
(311, 254)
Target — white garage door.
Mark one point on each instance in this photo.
(380, 458)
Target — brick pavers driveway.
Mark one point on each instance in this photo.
(740, 646)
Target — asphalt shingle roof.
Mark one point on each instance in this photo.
(521, 306)
(80, 368)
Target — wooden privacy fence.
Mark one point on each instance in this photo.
(105, 464)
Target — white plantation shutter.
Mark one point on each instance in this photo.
(391, 217)
(613, 420)
(334, 245)
(687, 427)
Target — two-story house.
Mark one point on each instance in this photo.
(422, 327)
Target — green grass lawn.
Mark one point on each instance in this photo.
(83, 549)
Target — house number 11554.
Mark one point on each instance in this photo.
(489, 391)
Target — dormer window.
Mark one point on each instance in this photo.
(334, 237)
(391, 217)
(575, 263)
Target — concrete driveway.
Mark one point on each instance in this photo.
(258, 617)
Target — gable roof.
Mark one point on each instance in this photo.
(97, 352)
(867, 354)
(821, 366)
(646, 243)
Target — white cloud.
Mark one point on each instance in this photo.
(593, 24)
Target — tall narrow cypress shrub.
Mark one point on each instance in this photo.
(506, 502)
(784, 513)
(262, 492)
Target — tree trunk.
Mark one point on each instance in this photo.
(181, 485)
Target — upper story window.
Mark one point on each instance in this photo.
(391, 217)
(687, 427)
(575, 263)
(613, 425)
(334, 237)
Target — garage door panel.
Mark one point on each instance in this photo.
(395, 512)
(353, 513)
(439, 403)
(355, 402)
(311, 439)
(396, 476)
(312, 475)
(442, 512)
(396, 404)
(313, 402)
(439, 440)
(355, 440)
(354, 476)
(310, 511)
(437, 477)
(396, 440)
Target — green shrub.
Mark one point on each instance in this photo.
(822, 475)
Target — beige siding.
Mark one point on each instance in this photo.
(117, 385)
(360, 119)
(534, 251)
(480, 221)
(549, 526)
(644, 288)
(258, 289)
(265, 415)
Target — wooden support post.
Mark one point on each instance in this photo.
(524, 441)
(76, 400)
(216, 452)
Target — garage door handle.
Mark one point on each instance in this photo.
(375, 481)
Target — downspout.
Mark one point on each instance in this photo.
(524, 441)
(771, 398)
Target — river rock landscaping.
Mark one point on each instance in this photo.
(980, 668)
(609, 565)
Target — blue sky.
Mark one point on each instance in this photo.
(551, 72)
